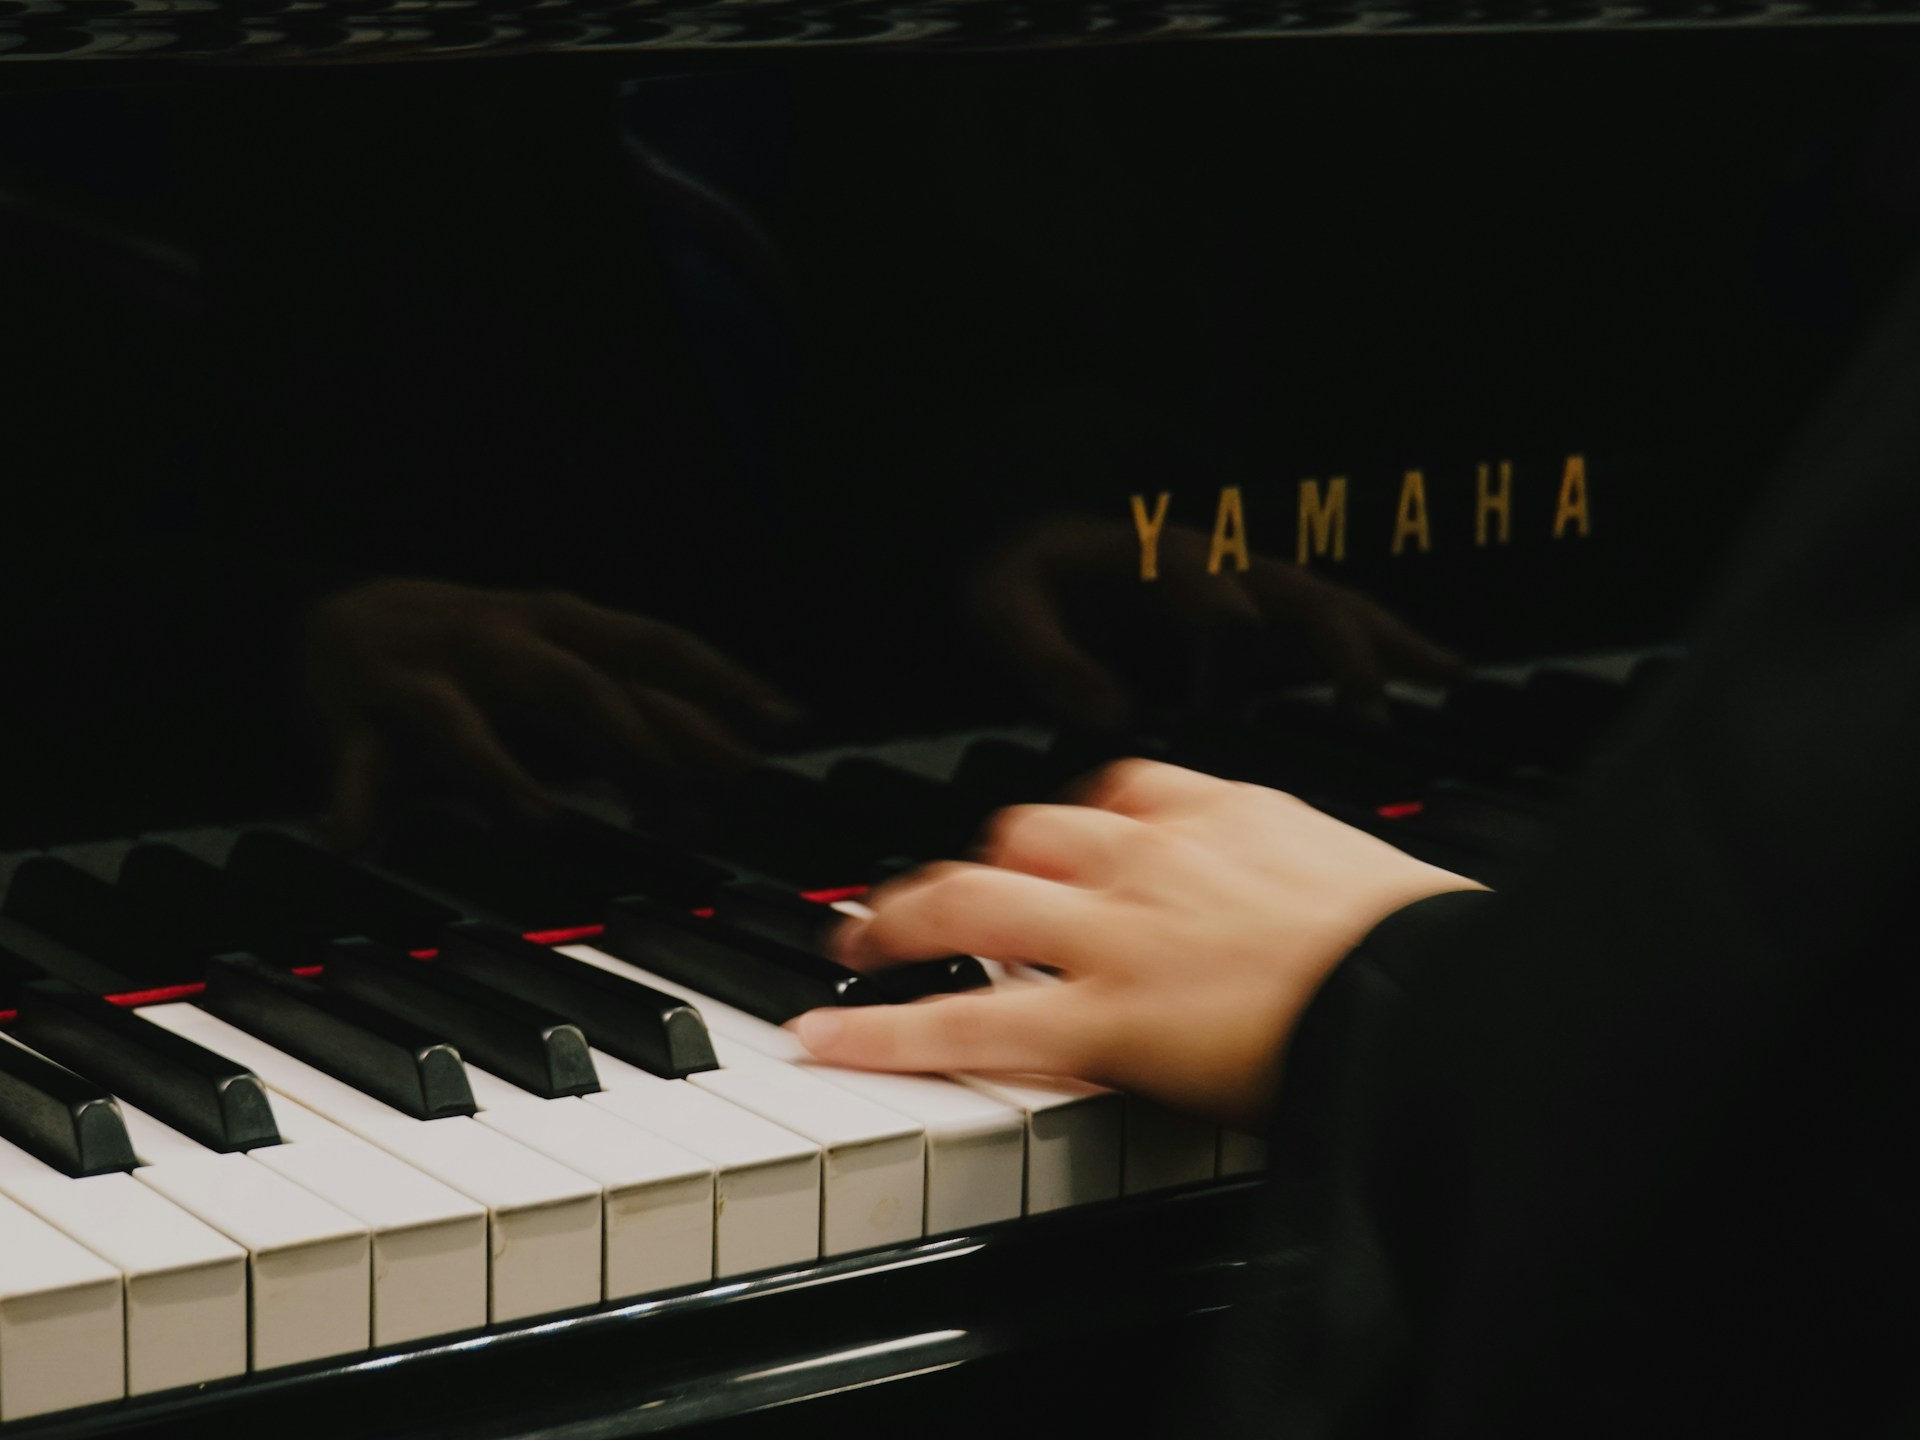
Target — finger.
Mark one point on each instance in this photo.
(361, 766)
(692, 733)
(665, 657)
(1019, 612)
(1041, 1031)
(959, 908)
(446, 724)
(1068, 843)
(1151, 790)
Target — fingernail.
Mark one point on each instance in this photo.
(818, 1029)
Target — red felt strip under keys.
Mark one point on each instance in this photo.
(166, 993)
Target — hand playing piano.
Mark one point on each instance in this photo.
(1042, 595)
(408, 669)
(1187, 922)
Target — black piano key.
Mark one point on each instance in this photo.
(79, 909)
(1283, 751)
(48, 956)
(410, 1068)
(1077, 754)
(467, 858)
(902, 809)
(890, 867)
(996, 773)
(546, 877)
(353, 901)
(1501, 823)
(533, 1047)
(638, 1024)
(748, 971)
(624, 862)
(804, 924)
(230, 915)
(1435, 738)
(69, 1122)
(1575, 698)
(776, 913)
(216, 1101)
(915, 980)
(786, 824)
(15, 971)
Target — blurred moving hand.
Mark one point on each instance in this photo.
(1035, 593)
(1189, 921)
(426, 670)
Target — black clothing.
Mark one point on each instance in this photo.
(1622, 1151)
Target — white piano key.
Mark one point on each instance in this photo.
(1074, 1137)
(873, 1165)
(872, 1162)
(657, 1198)
(1165, 1148)
(766, 1179)
(429, 1241)
(1240, 1154)
(62, 1320)
(309, 1261)
(543, 1219)
(976, 1145)
(1076, 1133)
(155, 1141)
(185, 1284)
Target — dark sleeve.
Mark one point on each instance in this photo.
(1622, 1149)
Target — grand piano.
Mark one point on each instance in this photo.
(812, 330)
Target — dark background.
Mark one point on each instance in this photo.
(847, 321)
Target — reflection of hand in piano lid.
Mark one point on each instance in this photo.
(425, 672)
(1060, 593)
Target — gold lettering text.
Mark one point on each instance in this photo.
(1411, 522)
(1229, 532)
(1149, 528)
(1489, 501)
(1573, 498)
(1323, 519)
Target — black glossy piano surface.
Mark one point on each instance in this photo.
(815, 330)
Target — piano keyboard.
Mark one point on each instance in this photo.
(336, 1108)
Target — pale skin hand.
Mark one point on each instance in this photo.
(1190, 920)
(427, 668)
